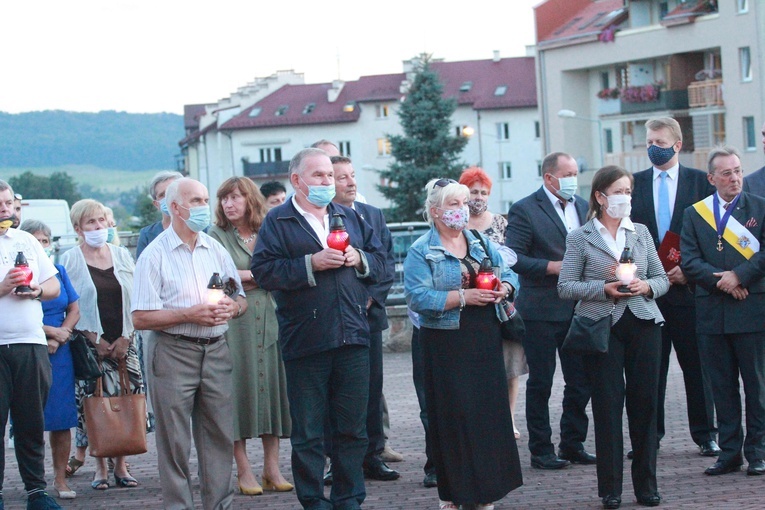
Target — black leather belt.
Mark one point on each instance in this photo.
(196, 340)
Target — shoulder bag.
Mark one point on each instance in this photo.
(588, 336)
(86, 365)
(116, 426)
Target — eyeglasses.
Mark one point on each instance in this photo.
(442, 183)
(16, 196)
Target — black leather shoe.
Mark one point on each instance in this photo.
(756, 468)
(430, 480)
(376, 469)
(722, 467)
(612, 501)
(709, 449)
(328, 476)
(549, 461)
(652, 500)
(631, 454)
(578, 457)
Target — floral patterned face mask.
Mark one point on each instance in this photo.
(455, 219)
(477, 206)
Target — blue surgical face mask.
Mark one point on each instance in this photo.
(320, 196)
(163, 207)
(199, 217)
(568, 187)
(660, 156)
(112, 233)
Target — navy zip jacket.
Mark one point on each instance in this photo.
(322, 310)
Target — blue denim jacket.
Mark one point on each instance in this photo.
(430, 272)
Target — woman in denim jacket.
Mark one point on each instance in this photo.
(474, 448)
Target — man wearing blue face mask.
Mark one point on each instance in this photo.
(157, 189)
(536, 230)
(659, 197)
(321, 295)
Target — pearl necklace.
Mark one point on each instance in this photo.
(245, 241)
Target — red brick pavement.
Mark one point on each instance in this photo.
(681, 479)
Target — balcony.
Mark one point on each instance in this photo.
(667, 100)
(705, 93)
(270, 169)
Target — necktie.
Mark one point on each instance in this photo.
(725, 206)
(562, 204)
(664, 215)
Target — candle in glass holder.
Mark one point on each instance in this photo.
(338, 238)
(21, 263)
(626, 270)
(215, 289)
(486, 279)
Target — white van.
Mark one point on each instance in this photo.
(54, 213)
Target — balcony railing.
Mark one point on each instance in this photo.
(270, 169)
(667, 100)
(705, 93)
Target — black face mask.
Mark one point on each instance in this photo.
(660, 156)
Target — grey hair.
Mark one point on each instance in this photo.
(722, 150)
(4, 186)
(323, 141)
(33, 226)
(296, 163)
(435, 196)
(159, 178)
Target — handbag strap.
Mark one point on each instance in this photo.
(480, 239)
(124, 378)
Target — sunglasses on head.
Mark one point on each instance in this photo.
(16, 196)
(442, 183)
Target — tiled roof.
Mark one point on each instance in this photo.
(516, 74)
(191, 115)
(196, 135)
(687, 12)
(586, 24)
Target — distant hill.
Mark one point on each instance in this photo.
(108, 139)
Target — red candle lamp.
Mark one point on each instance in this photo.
(338, 238)
(486, 279)
(21, 263)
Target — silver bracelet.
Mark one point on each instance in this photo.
(462, 298)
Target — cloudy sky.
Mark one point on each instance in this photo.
(157, 55)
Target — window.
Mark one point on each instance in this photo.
(309, 108)
(345, 148)
(750, 135)
(663, 9)
(466, 86)
(536, 129)
(745, 63)
(269, 154)
(503, 130)
(255, 111)
(605, 82)
(505, 170)
(718, 129)
(349, 107)
(743, 6)
(539, 168)
(383, 147)
(281, 110)
(381, 111)
(622, 77)
(500, 91)
(609, 136)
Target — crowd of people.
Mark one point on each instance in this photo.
(265, 321)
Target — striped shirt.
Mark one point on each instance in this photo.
(170, 276)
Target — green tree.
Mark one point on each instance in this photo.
(60, 185)
(427, 150)
(144, 209)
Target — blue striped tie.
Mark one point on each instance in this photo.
(664, 215)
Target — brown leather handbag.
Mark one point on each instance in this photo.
(116, 426)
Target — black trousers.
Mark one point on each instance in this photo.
(634, 356)
(25, 379)
(543, 339)
(726, 357)
(680, 331)
(418, 377)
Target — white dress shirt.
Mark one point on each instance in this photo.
(615, 245)
(672, 175)
(320, 228)
(568, 216)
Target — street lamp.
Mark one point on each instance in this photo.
(571, 114)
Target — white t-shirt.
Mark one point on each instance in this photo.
(23, 318)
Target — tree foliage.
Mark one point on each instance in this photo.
(60, 185)
(428, 148)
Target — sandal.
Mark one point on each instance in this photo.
(100, 485)
(72, 466)
(446, 505)
(110, 465)
(127, 482)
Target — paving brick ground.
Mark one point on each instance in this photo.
(681, 479)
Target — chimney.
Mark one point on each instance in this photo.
(334, 91)
(496, 56)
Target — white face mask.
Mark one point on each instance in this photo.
(619, 206)
(96, 238)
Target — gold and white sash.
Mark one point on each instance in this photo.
(737, 235)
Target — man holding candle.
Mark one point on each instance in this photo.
(187, 358)
(721, 246)
(25, 376)
(321, 296)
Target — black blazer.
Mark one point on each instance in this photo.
(376, 315)
(754, 183)
(537, 235)
(716, 311)
(692, 186)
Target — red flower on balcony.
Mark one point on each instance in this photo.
(609, 93)
(641, 93)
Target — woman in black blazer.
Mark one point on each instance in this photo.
(634, 349)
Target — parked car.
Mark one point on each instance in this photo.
(55, 214)
(402, 235)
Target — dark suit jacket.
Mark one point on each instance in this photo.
(754, 183)
(376, 315)
(537, 235)
(716, 311)
(692, 186)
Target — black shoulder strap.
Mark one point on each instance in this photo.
(480, 239)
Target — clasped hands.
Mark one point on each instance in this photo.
(206, 314)
(329, 258)
(480, 297)
(637, 287)
(730, 284)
